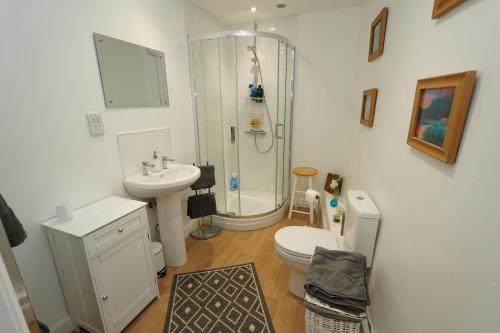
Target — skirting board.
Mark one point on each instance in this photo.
(64, 325)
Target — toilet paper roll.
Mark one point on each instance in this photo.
(311, 195)
(64, 212)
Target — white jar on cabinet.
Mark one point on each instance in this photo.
(105, 264)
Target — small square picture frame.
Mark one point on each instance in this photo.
(337, 191)
(439, 114)
(442, 7)
(369, 103)
(377, 35)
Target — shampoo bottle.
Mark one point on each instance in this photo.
(259, 93)
(233, 183)
(253, 92)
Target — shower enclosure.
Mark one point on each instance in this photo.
(243, 95)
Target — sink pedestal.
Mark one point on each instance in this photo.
(172, 229)
(166, 187)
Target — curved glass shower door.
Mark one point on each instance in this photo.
(243, 93)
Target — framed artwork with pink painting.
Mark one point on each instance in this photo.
(439, 113)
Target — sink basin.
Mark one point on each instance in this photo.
(174, 179)
(166, 186)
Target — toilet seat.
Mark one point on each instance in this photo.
(301, 241)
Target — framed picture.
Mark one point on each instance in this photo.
(439, 114)
(333, 184)
(368, 107)
(442, 7)
(377, 35)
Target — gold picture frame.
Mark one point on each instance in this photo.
(439, 113)
(442, 7)
(368, 107)
(377, 35)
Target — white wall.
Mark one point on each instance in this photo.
(327, 51)
(199, 21)
(436, 263)
(49, 81)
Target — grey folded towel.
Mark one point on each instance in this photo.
(339, 279)
(207, 178)
(201, 205)
(13, 228)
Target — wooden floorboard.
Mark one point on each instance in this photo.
(231, 248)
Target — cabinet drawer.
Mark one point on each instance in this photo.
(109, 235)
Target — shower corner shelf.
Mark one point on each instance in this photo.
(255, 99)
(255, 132)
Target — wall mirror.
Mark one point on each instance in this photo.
(131, 75)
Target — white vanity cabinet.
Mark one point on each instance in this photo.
(105, 264)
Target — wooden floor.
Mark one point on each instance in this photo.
(231, 248)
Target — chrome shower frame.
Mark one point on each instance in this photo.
(257, 221)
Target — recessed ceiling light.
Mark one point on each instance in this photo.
(253, 9)
(272, 28)
(281, 5)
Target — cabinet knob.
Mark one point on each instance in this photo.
(120, 230)
(104, 297)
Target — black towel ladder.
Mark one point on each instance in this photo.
(205, 233)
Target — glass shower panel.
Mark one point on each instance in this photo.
(257, 150)
(287, 127)
(280, 125)
(227, 58)
(206, 69)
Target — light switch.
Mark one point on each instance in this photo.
(96, 125)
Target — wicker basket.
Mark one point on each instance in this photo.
(316, 323)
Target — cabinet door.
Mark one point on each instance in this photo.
(125, 280)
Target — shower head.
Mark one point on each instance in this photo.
(251, 48)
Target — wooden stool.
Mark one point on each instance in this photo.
(308, 173)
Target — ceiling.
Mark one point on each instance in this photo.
(238, 11)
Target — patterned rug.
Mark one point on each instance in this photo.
(223, 300)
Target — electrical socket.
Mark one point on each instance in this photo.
(96, 124)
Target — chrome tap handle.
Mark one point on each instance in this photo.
(164, 160)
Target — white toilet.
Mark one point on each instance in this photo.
(295, 245)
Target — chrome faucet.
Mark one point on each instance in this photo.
(146, 167)
(165, 160)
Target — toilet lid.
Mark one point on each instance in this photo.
(301, 241)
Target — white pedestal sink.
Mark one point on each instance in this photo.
(166, 186)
